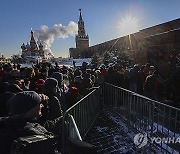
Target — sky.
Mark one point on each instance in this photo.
(55, 21)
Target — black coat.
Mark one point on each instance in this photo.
(14, 127)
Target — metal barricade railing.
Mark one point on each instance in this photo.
(144, 114)
(83, 113)
(74, 132)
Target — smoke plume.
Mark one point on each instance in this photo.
(47, 35)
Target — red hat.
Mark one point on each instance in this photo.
(40, 82)
(74, 90)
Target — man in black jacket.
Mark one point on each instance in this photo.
(24, 108)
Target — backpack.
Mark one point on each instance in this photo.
(34, 144)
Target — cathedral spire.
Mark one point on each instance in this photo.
(32, 41)
(32, 36)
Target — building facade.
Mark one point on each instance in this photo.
(32, 49)
(82, 39)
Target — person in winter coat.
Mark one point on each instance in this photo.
(133, 78)
(152, 86)
(72, 96)
(60, 94)
(24, 108)
(54, 106)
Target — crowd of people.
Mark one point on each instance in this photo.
(33, 99)
(159, 80)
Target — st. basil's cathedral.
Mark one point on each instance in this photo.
(32, 49)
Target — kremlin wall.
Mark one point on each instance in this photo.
(162, 39)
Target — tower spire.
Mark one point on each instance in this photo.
(80, 16)
(81, 28)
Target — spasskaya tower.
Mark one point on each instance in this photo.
(82, 39)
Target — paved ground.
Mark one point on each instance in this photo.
(110, 134)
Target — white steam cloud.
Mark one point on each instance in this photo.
(47, 35)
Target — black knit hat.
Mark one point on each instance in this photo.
(50, 83)
(58, 76)
(24, 101)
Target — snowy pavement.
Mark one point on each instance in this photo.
(110, 134)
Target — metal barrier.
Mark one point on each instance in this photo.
(141, 113)
(74, 132)
(78, 119)
(144, 114)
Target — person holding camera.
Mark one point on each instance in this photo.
(25, 109)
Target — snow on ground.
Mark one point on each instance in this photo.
(110, 134)
(142, 123)
(68, 62)
(26, 65)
